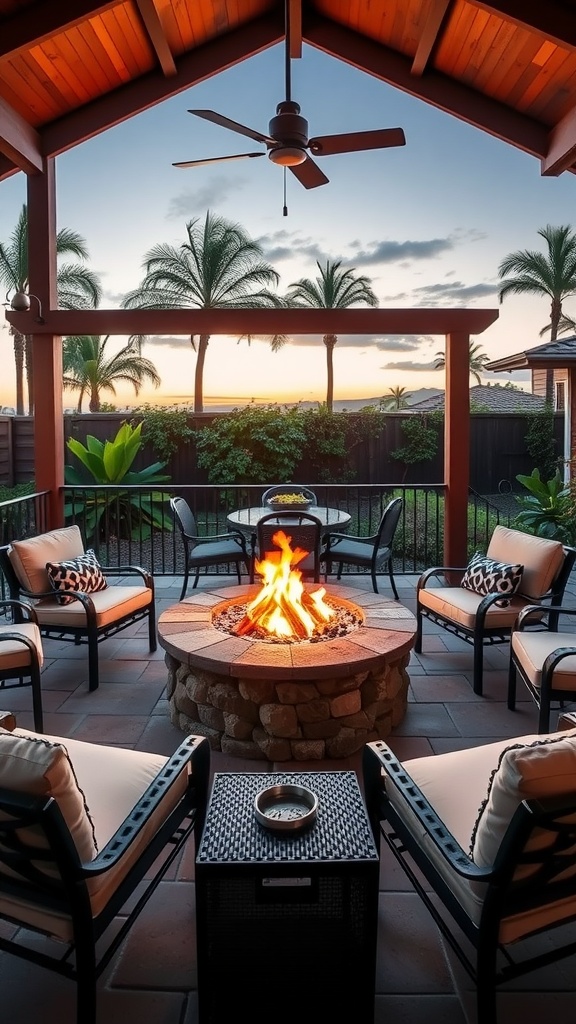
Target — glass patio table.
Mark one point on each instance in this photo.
(246, 519)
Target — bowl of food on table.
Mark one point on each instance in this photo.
(293, 500)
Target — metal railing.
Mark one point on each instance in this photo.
(134, 526)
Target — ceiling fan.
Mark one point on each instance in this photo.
(287, 140)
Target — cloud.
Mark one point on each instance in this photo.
(401, 343)
(393, 252)
(193, 203)
(408, 365)
(169, 341)
(453, 292)
(282, 245)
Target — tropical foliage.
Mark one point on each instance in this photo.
(218, 267)
(89, 369)
(395, 399)
(476, 361)
(551, 274)
(548, 510)
(334, 288)
(78, 288)
(119, 513)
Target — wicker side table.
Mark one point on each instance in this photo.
(286, 922)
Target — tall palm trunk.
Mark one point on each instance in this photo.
(94, 399)
(555, 314)
(199, 373)
(19, 346)
(330, 341)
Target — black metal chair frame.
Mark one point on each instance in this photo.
(305, 530)
(492, 964)
(185, 521)
(67, 893)
(544, 695)
(380, 545)
(90, 633)
(23, 678)
(480, 635)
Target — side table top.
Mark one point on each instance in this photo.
(232, 834)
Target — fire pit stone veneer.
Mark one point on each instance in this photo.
(287, 701)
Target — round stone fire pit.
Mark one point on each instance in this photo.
(305, 700)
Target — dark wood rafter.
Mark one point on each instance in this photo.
(19, 142)
(556, 21)
(430, 34)
(153, 25)
(295, 28)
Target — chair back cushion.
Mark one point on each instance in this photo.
(34, 765)
(530, 768)
(29, 557)
(542, 558)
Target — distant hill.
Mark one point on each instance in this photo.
(354, 404)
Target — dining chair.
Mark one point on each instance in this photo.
(486, 836)
(373, 553)
(75, 599)
(216, 549)
(87, 831)
(21, 654)
(303, 530)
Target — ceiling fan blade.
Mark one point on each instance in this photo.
(216, 159)
(309, 174)
(353, 142)
(226, 122)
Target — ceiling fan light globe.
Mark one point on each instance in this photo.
(287, 156)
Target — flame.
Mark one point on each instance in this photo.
(282, 606)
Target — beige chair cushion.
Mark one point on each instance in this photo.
(14, 655)
(113, 779)
(461, 606)
(110, 605)
(541, 558)
(29, 557)
(40, 766)
(532, 649)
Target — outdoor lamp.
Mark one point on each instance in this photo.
(20, 303)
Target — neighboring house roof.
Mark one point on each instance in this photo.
(494, 398)
(70, 70)
(558, 354)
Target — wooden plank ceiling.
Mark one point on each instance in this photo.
(70, 69)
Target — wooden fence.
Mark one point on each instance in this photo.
(497, 451)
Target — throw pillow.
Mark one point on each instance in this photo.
(485, 576)
(76, 574)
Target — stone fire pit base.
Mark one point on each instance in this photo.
(297, 702)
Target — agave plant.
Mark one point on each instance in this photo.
(120, 513)
(548, 510)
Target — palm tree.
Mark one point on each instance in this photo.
(396, 399)
(78, 288)
(89, 369)
(535, 273)
(334, 288)
(219, 267)
(476, 361)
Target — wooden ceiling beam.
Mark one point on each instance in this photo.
(31, 25)
(554, 20)
(294, 28)
(235, 322)
(19, 142)
(157, 36)
(561, 155)
(430, 34)
(453, 98)
(146, 92)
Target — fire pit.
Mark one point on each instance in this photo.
(287, 671)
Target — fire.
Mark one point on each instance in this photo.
(283, 607)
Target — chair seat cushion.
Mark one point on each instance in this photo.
(461, 606)
(209, 552)
(76, 574)
(486, 576)
(28, 557)
(532, 649)
(111, 604)
(356, 552)
(14, 655)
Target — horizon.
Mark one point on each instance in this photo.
(428, 223)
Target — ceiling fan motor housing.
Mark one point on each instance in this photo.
(291, 131)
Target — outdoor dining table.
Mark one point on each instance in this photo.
(246, 519)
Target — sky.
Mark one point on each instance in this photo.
(428, 223)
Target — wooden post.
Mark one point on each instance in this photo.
(46, 348)
(456, 448)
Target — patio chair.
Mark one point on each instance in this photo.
(71, 594)
(373, 553)
(21, 654)
(545, 661)
(487, 838)
(304, 531)
(218, 549)
(519, 569)
(87, 832)
(288, 489)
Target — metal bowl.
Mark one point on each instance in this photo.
(285, 808)
(293, 506)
